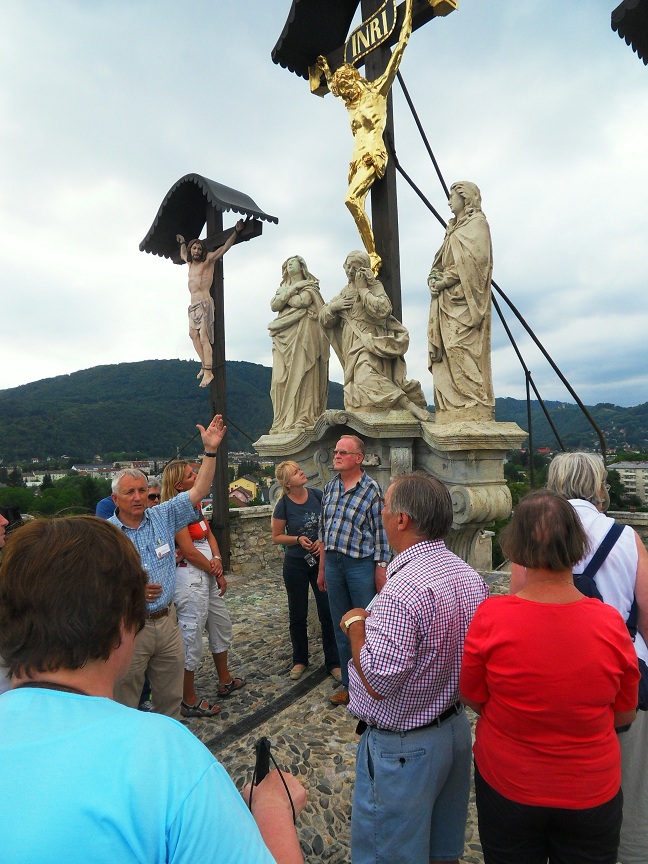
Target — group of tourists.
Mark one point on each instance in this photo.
(556, 677)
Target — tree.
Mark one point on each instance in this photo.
(247, 466)
(15, 478)
(47, 482)
(17, 496)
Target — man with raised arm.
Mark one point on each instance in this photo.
(152, 531)
(410, 799)
(201, 309)
(86, 779)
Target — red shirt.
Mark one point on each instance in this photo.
(551, 677)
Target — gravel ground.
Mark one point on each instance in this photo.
(310, 737)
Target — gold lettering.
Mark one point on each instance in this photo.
(384, 17)
(362, 38)
(376, 34)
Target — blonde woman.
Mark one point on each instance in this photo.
(295, 523)
(200, 586)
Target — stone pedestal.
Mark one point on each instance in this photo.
(467, 456)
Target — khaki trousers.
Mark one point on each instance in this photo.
(159, 648)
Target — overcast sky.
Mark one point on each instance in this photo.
(105, 104)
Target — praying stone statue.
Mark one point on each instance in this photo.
(300, 350)
(370, 344)
(460, 312)
(366, 102)
(201, 309)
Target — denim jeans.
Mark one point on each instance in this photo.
(298, 576)
(350, 584)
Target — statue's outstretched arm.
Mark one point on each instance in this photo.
(384, 82)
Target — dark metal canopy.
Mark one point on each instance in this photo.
(630, 20)
(317, 27)
(184, 210)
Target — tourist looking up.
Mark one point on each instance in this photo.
(410, 799)
(551, 674)
(354, 564)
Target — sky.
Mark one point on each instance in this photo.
(105, 104)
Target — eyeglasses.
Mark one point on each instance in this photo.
(346, 452)
(153, 496)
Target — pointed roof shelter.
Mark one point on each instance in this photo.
(184, 208)
(630, 20)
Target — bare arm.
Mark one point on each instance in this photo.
(280, 538)
(189, 551)
(624, 718)
(641, 588)
(211, 438)
(218, 253)
(183, 247)
(384, 82)
(357, 638)
(273, 815)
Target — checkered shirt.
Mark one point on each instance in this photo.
(351, 522)
(159, 525)
(414, 638)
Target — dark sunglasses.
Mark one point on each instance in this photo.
(153, 496)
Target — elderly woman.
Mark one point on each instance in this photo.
(200, 586)
(300, 351)
(551, 674)
(622, 577)
(295, 523)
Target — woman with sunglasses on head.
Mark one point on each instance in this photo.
(200, 586)
(295, 523)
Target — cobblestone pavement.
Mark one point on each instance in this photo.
(310, 737)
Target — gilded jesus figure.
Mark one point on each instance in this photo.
(201, 309)
(366, 102)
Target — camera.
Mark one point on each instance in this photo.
(310, 559)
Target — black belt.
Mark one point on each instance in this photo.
(452, 711)
(161, 613)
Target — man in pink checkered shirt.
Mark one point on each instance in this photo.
(413, 763)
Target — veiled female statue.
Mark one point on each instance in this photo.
(460, 312)
(300, 350)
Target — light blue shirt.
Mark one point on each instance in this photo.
(154, 539)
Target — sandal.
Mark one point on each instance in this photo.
(225, 690)
(197, 710)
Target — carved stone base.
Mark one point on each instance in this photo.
(467, 456)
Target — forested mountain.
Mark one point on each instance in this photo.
(152, 407)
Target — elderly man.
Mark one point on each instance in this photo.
(106, 783)
(410, 800)
(152, 530)
(354, 565)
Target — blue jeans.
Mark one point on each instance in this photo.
(410, 800)
(298, 576)
(350, 584)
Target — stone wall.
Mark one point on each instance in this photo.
(638, 521)
(252, 549)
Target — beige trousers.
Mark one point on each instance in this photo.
(159, 648)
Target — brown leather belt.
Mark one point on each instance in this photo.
(161, 613)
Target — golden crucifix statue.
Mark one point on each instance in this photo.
(366, 102)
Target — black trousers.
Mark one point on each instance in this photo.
(513, 833)
(299, 578)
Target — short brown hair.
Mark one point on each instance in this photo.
(66, 586)
(545, 532)
(425, 500)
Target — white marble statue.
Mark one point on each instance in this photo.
(300, 350)
(460, 312)
(370, 344)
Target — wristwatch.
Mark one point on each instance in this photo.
(352, 620)
(381, 564)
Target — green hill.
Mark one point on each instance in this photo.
(152, 407)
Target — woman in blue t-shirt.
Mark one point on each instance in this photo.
(295, 524)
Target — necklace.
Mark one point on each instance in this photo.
(52, 685)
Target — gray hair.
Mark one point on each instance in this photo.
(154, 483)
(578, 475)
(126, 472)
(425, 500)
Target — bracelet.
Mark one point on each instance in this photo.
(211, 455)
(352, 620)
(298, 536)
(217, 557)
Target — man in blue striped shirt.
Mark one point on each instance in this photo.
(152, 531)
(353, 563)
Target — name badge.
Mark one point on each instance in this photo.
(162, 550)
